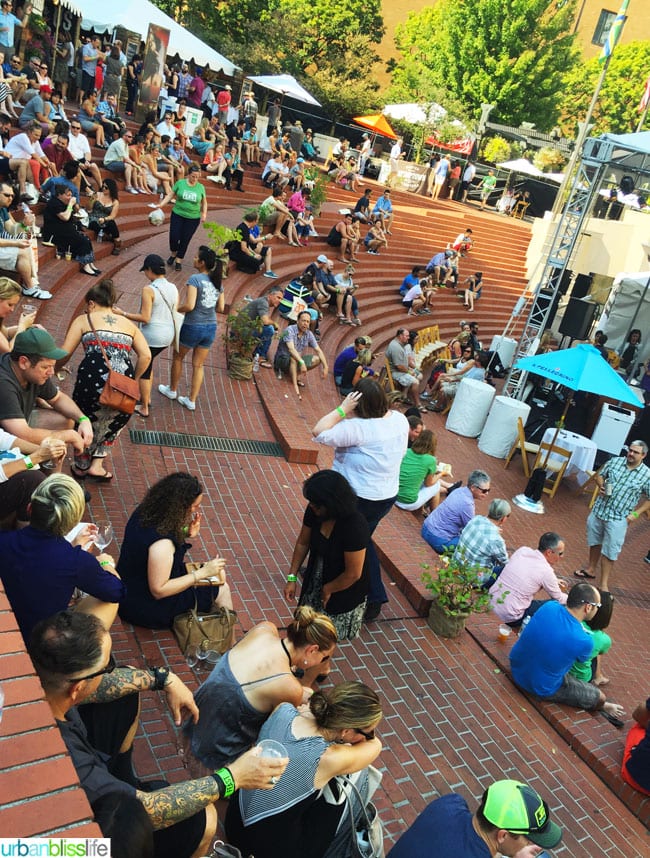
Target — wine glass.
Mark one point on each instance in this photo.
(192, 656)
(104, 536)
(202, 655)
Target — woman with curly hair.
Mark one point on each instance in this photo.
(151, 564)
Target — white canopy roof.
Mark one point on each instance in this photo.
(418, 114)
(521, 165)
(138, 15)
(286, 84)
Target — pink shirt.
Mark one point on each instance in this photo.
(524, 574)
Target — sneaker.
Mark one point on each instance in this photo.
(271, 275)
(187, 403)
(37, 292)
(425, 395)
(170, 260)
(131, 190)
(167, 391)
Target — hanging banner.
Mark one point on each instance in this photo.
(155, 54)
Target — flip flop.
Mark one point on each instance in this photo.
(140, 414)
(300, 383)
(100, 478)
(266, 364)
(613, 719)
(582, 573)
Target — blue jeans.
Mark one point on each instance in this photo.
(265, 342)
(439, 545)
(373, 512)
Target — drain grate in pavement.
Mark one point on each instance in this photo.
(204, 442)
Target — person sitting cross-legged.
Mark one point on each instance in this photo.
(549, 645)
(419, 477)
(481, 542)
(290, 355)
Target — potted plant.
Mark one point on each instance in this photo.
(317, 183)
(241, 339)
(457, 593)
(220, 238)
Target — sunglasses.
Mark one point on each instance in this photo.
(368, 736)
(593, 604)
(110, 667)
(483, 491)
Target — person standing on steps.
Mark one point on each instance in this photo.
(190, 209)
(621, 482)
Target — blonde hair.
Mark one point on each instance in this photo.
(57, 505)
(309, 627)
(348, 705)
(365, 357)
(8, 289)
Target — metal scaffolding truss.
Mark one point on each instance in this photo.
(599, 156)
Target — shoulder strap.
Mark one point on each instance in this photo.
(101, 345)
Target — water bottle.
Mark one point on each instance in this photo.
(100, 236)
(256, 363)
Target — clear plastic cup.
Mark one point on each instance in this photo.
(272, 749)
(504, 633)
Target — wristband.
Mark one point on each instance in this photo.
(28, 462)
(161, 676)
(186, 530)
(105, 563)
(340, 411)
(224, 779)
(291, 579)
(82, 418)
(301, 362)
(634, 514)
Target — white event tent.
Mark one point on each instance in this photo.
(137, 17)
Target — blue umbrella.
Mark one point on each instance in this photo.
(580, 368)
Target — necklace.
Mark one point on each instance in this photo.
(298, 672)
(284, 647)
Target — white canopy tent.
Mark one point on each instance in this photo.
(418, 114)
(521, 165)
(137, 17)
(285, 84)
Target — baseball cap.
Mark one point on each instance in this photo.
(322, 258)
(36, 341)
(45, 88)
(300, 161)
(154, 263)
(228, 87)
(517, 808)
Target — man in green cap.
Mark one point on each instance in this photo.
(511, 817)
(25, 375)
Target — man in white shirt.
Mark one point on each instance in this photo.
(468, 177)
(79, 148)
(364, 154)
(393, 160)
(8, 163)
(117, 159)
(165, 126)
(27, 146)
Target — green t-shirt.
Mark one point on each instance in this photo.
(489, 183)
(413, 470)
(188, 199)
(601, 642)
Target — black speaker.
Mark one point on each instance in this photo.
(543, 301)
(578, 318)
(582, 285)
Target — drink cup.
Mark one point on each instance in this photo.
(504, 633)
(28, 309)
(68, 256)
(271, 749)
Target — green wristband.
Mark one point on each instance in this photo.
(105, 563)
(28, 462)
(340, 411)
(291, 579)
(225, 776)
(82, 418)
(634, 514)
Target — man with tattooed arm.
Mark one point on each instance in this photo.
(71, 652)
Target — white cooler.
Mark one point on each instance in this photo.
(470, 409)
(612, 428)
(500, 430)
(506, 348)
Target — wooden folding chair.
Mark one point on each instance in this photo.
(555, 461)
(525, 447)
(585, 486)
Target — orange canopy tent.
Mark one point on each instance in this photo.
(377, 123)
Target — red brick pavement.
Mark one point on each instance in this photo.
(453, 720)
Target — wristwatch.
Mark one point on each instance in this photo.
(161, 677)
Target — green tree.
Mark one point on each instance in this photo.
(616, 110)
(510, 53)
(496, 149)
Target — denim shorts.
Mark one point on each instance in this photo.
(610, 535)
(199, 336)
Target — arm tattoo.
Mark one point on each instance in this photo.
(123, 681)
(179, 801)
(110, 320)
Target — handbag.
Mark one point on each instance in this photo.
(120, 392)
(366, 834)
(204, 631)
(225, 850)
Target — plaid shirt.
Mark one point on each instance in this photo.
(628, 484)
(184, 80)
(481, 543)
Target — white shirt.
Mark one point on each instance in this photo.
(369, 453)
(395, 152)
(79, 147)
(469, 173)
(20, 146)
(163, 128)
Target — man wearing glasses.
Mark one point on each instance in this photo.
(79, 148)
(442, 527)
(9, 164)
(621, 482)
(71, 652)
(117, 160)
(526, 573)
(551, 643)
(16, 253)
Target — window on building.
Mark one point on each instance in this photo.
(604, 25)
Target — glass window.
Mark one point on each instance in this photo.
(604, 25)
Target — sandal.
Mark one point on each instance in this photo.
(266, 364)
(582, 573)
(613, 719)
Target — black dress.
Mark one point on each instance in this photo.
(65, 234)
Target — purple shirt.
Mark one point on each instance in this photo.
(447, 521)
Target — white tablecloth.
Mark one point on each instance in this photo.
(500, 430)
(469, 411)
(583, 450)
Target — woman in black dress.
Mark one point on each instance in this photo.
(335, 536)
(103, 214)
(59, 227)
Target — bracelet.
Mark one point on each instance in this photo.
(291, 579)
(161, 677)
(186, 530)
(105, 563)
(340, 411)
(28, 462)
(634, 514)
(82, 418)
(224, 779)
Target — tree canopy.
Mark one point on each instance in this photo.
(510, 53)
(616, 110)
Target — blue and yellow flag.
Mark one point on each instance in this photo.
(615, 32)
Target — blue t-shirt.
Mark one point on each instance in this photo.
(408, 283)
(547, 649)
(443, 830)
(207, 295)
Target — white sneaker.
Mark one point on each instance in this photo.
(187, 403)
(167, 391)
(37, 292)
